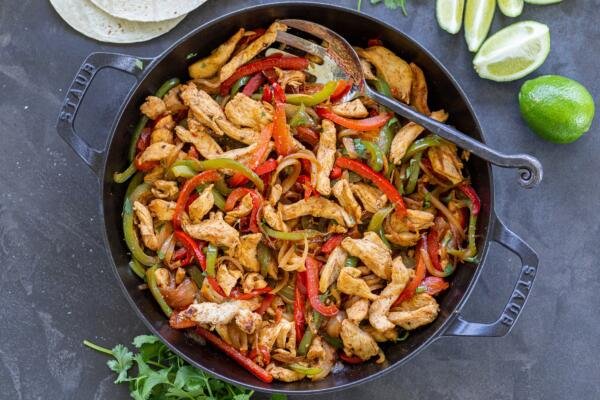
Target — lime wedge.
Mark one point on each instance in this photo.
(511, 8)
(513, 52)
(450, 14)
(542, 2)
(478, 19)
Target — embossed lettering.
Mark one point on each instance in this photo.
(76, 93)
(514, 308)
(88, 68)
(82, 80)
(71, 104)
(65, 116)
(517, 294)
(528, 270)
(526, 284)
(506, 320)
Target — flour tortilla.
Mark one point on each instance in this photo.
(147, 10)
(91, 21)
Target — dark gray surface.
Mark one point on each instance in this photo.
(56, 287)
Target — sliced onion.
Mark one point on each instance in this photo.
(281, 283)
(165, 252)
(291, 179)
(458, 230)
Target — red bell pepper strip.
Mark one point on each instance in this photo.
(299, 306)
(256, 33)
(304, 180)
(264, 352)
(144, 140)
(237, 295)
(307, 135)
(238, 357)
(253, 84)
(144, 167)
(266, 303)
(332, 243)
(433, 247)
(257, 156)
(350, 359)
(336, 172)
(295, 63)
(420, 269)
(374, 42)
(361, 125)
(284, 144)
(340, 91)
(266, 167)
(236, 195)
(278, 93)
(472, 195)
(196, 249)
(267, 93)
(178, 320)
(312, 289)
(379, 180)
(189, 186)
(434, 285)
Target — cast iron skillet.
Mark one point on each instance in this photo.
(444, 93)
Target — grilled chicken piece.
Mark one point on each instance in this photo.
(322, 356)
(251, 51)
(146, 226)
(161, 209)
(244, 208)
(244, 111)
(421, 309)
(253, 281)
(248, 321)
(173, 102)
(291, 78)
(343, 193)
(244, 135)
(153, 107)
(275, 195)
(242, 154)
(227, 278)
(155, 174)
(273, 218)
(204, 108)
(326, 157)
(408, 134)
(165, 189)
(161, 135)
(418, 91)
(331, 270)
(202, 205)
(209, 294)
(216, 231)
(367, 70)
(284, 374)
(349, 282)
(387, 336)
(371, 198)
(372, 252)
(199, 137)
(416, 221)
(212, 313)
(445, 162)
(317, 207)
(211, 86)
(247, 252)
(358, 342)
(406, 239)
(351, 109)
(358, 310)
(380, 307)
(209, 66)
(177, 295)
(394, 70)
(280, 335)
(156, 152)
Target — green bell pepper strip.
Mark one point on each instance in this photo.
(196, 275)
(121, 177)
(382, 87)
(137, 268)
(288, 292)
(217, 197)
(313, 99)
(165, 87)
(376, 156)
(309, 335)
(413, 170)
(238, 85)
(422, 144)
(295, 235)
(134, 183)
(351, 261)
(222, 187)
(265, 258)
(221, 163)
(131, 238)
(151, 280)
(211, 259)
(386, 136)
(301, 118)
(305, 370)
(333, 341)
(376, 223)
(182, 171)
(471, 233)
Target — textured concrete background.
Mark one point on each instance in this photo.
(56, 288)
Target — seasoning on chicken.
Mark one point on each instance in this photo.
(199, 137)
(358, 310)
(351, 109)
(380, 307)
(343, 193)
(407, 135)
(161, 209)
(209, 66)
(349, 282)
(153, 108)
(331, 270)
(370, 197)
(146, 225)
(394, 70)
(318, 207)
(419, 310)
(358, 342)
(156, 152)
(202, 205)
(326, 157)
(244, 111)
(445, 162)
(372, 252)
(247, 252)
(214, 230)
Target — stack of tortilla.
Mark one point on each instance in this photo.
(124, 21)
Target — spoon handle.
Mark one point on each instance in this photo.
(531, 171)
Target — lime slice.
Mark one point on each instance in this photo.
(542, 2)
(511, 8)
(478, 19)
(513, 52)
(450, 14)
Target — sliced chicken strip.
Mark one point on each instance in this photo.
(351, 109)
(349, 282)
(343, 192)
(216, 231)
(326, 156)
(372, 252)
(247, 112)
(421, 309)
(199, 137)
(358, 342)
(331, 270)
(145, 226)
(209, 66)
(202, 205)
(407, 134)
(370, 197)
(317, 207)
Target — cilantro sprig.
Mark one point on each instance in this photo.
(155, 372)
(391, 4)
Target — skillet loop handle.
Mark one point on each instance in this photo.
(74, 97)
(518, 298)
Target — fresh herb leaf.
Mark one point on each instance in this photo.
(122, 362)
(393, 4)
(141, 340)
(191, 55)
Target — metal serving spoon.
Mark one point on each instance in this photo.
(344, 63)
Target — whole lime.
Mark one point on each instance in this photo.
(557, 108)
